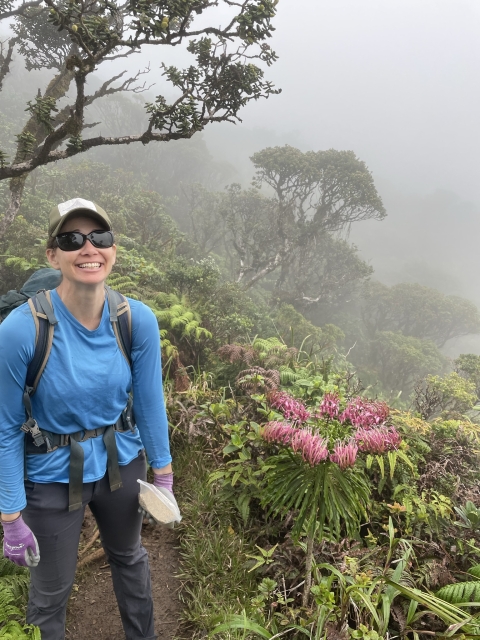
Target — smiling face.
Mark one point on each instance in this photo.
(88, 265)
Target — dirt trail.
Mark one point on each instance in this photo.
(93, 612)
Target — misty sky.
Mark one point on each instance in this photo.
(396, 81)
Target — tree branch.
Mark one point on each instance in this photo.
(6, 59)
(19, 11)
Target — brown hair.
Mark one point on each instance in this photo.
(51, 244)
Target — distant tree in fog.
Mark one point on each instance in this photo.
(294, 232)
(320, 190)
(73, 39)
(418, 311)
(468, 366)
(398, 361)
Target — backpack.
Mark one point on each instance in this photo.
(40, 441)
(41, 279)
(36, 293)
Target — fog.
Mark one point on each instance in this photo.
(397, 83)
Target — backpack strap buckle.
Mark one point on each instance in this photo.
(127, 419)
(31, 426)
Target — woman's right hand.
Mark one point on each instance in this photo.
(19, 544)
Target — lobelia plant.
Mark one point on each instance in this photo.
(291, 408)
(328, 490)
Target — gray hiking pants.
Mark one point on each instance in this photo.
(58, 533)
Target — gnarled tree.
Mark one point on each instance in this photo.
(294, 230)
(418, 311)
(73, 39)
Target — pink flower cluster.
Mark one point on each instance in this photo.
(365, 413)
(330, 406)
(313, 448)
(371, 434)
(291, 408)
(379, 440)
(344, 454)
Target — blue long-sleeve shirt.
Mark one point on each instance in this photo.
(85, 385)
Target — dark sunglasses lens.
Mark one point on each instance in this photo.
(101, 239)
(70, 241)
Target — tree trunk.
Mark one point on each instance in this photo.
(57, 88)
(16, 191)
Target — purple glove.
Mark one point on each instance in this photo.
(164, 480)
(19, 544)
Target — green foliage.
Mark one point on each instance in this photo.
(124, 284)
(399, 360)
(131, 263)
(75, 143)
(334, 184)
(21, 264)
(336, 499)
(209, 534)
(451, 615)
(418, 311)
(26, 143)
(468, 366)
(147, 222)
(291, 234)
(180, 328)
(75, 39)
(474, 571)
(460, 592)
(42, 109)
(449, 395)
(470, 517)
(14, 582)
(241, 477)
(173, 312)
(302, 334)
(365, 634)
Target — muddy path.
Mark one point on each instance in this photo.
(92, 610)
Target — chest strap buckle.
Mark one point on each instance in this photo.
(31, 426)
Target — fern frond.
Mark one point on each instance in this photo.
(236, 353)
(8, 610)
(266, 345)
(288, 376)
(460, 592)
(255, 379)
(474, 571)
(124, 284)
(14, 580)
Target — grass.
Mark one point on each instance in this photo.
(213, 549)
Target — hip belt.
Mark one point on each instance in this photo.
(40, 441)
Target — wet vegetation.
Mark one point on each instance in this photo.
(326, 449)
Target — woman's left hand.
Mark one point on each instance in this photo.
(165, 481)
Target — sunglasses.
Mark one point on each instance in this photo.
(74, 240)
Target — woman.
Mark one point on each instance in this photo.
(85, 386)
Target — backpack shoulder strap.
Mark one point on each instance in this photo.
(45, 321)
(121, 319)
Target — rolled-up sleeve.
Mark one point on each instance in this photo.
(148, 400)
(17, 344)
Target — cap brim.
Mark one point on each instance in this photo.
(88, 213)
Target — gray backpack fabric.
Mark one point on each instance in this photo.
(42, 279)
